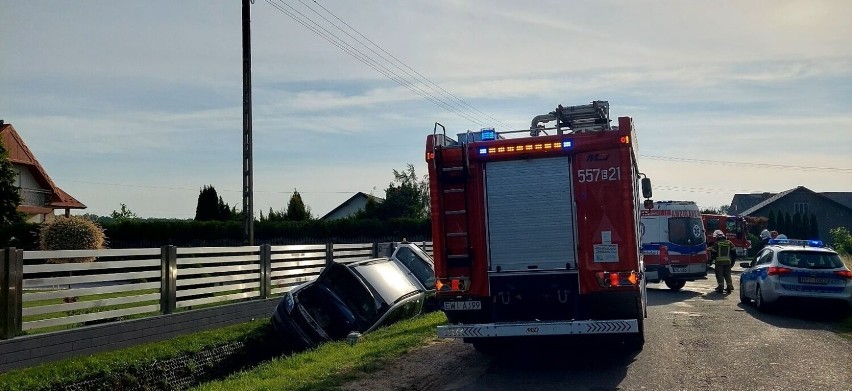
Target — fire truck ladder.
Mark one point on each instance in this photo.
(578, 119)
(452, 164)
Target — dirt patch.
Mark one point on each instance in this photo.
(431, 367)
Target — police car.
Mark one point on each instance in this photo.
(795, 270)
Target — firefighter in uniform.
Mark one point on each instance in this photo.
(723, 250)
(764, 240)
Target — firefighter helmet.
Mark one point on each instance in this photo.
(718, 234)
(764, 234)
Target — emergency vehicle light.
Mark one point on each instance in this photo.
(488, 134)
(625, 139)
(452, 284)
(540, 147)
(798, 242)
(614, 279)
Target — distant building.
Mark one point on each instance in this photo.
(350, 207)
(831, 209)
(40, 197)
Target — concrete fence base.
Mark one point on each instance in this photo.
(32, 350)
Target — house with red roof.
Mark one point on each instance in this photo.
(40, 196)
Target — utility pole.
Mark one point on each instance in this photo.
(248, 195)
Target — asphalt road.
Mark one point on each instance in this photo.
(696, 339)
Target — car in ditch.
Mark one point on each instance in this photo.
(789, 270)
(345, 298)
(420, 264)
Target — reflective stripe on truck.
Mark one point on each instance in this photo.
(516, 329)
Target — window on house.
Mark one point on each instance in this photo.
(801, 207)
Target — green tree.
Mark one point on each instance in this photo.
(10, 197)
(806, 227)
(406, 196)
(207, 208)
(225, 212)
(211, 207)
(814, 227)
(296, 210)
(371, 209)
(841, 240)
(272, 216)
(772, 221)
(124, 214)
(796, 227)
(788, 223)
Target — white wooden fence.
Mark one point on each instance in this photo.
(38, 295)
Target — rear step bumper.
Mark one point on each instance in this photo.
(518, 329)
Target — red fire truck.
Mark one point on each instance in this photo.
(735, 229)
(538, 235)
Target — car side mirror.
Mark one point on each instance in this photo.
(646, 187)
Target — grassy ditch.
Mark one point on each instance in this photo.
(122, 364)
(332, 364)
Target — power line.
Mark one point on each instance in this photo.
(360, 56)
(195, 189)
(341, 44)
(747, 164)
(420, 76)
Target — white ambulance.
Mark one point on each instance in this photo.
(673, 243)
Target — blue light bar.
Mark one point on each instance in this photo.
(567, 144)
(798, 242)
(488, 134)
(483, 151)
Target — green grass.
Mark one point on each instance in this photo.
(71, 370)
(332, 364)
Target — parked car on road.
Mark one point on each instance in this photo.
(796, 270)
(359, 296)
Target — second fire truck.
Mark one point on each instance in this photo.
(538, 234)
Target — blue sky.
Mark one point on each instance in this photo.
(141, 102)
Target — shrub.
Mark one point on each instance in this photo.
(841, 240)
(71, 233)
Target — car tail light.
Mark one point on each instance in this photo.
(777, 271)
(844, 273)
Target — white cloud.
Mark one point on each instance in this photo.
(149, 94)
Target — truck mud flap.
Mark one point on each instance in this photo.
(615, 326)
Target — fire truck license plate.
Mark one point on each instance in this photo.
(462, 305)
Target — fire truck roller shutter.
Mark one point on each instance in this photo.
(530, 214)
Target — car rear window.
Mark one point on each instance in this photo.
(810, 259)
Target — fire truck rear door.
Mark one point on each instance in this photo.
(530, 207)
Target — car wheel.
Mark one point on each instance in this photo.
(743, 298)
(675, 285)
(758, 300)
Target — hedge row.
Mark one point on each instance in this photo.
(185, 233)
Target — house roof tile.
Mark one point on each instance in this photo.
(20, 154)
